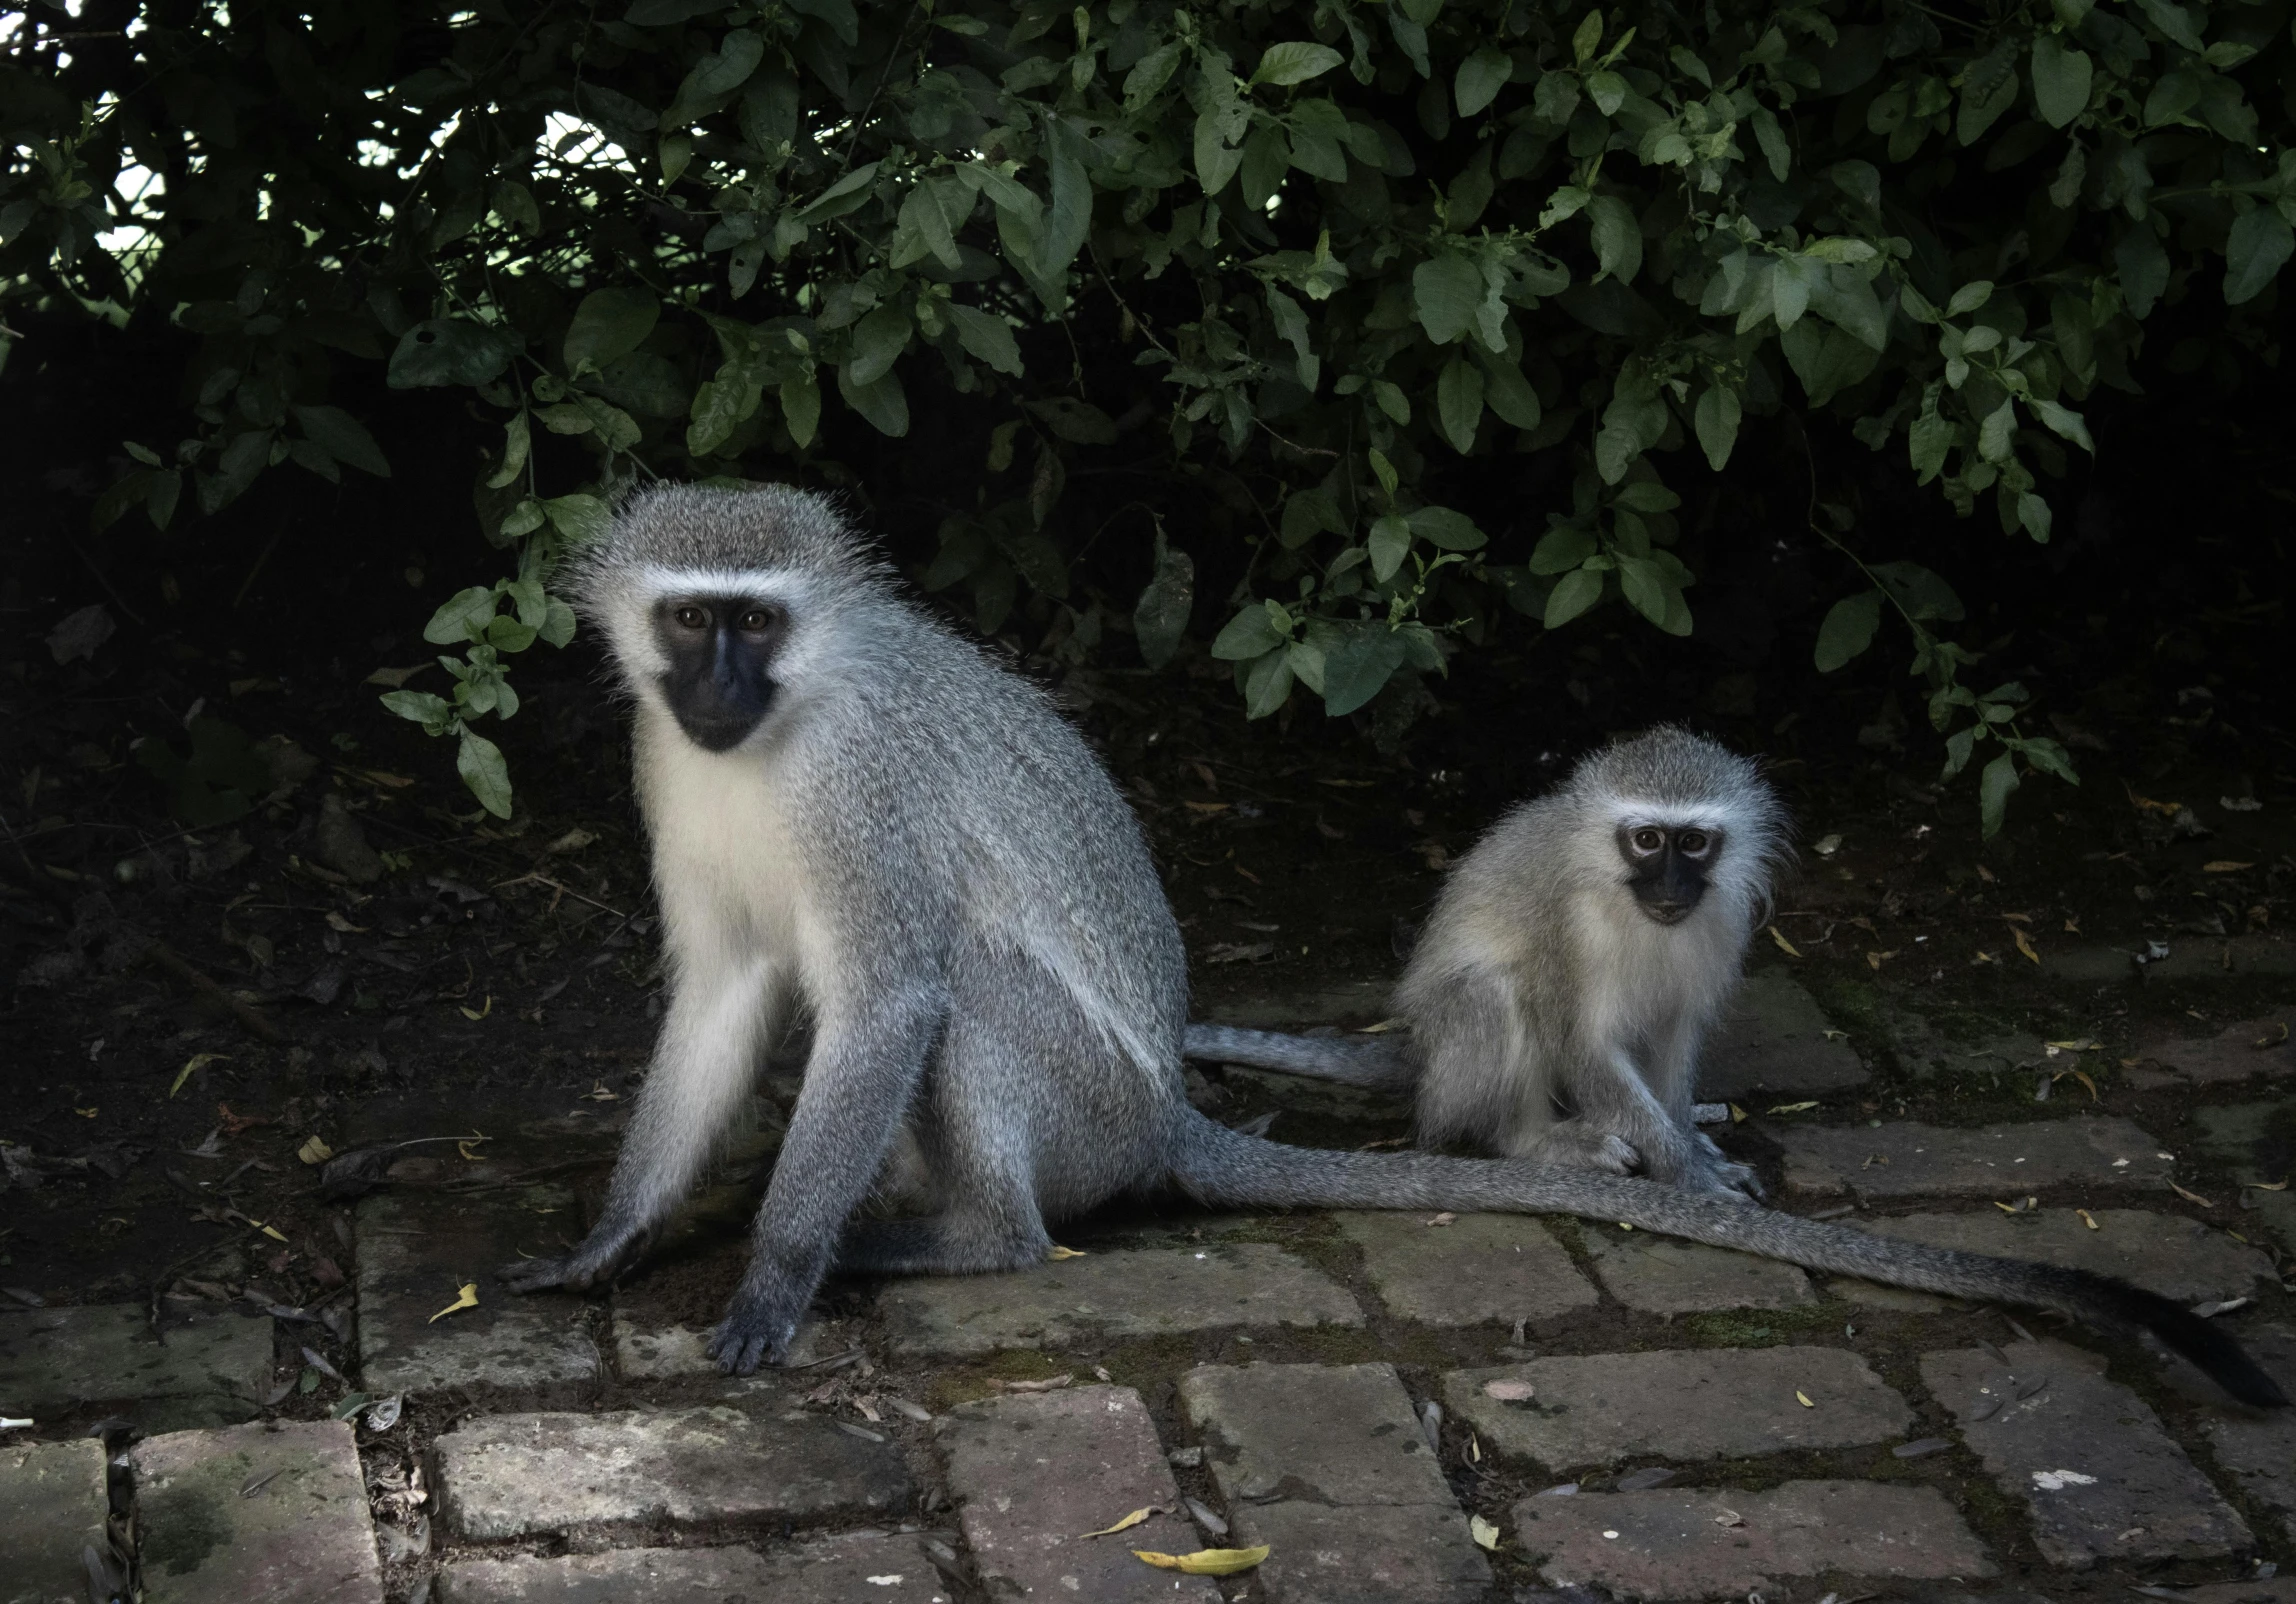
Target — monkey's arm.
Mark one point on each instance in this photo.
(703, 1067)
(1381, 1062)
(867, 1059)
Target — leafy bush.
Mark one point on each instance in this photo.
(1350, 244)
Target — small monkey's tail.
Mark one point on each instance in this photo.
(1382, 1062)
(1226, 1168)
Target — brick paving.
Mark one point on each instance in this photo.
(1373, 1396)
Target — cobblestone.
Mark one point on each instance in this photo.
(258, 1514)
(1475, 1268)
(1033, 1474)
(1687, 1404)
(1661, 1276)
(2164, 1253)
(2252, 1048)
(1715, 1543)
(516, 1475)
(52, 1504)
(1907, 1159)
(1328, 1466)
(208, 1372)
(417, 1249)
(1772, 1038)
(1119, 1294)
(2259, 1446)
(2103, 1481)
(845, 1569)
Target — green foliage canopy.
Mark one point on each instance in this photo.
(1353, 242)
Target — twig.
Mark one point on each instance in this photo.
(537, 877)
(249, 1016)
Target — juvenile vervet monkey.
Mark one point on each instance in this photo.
(1576, 958)
(854, 810)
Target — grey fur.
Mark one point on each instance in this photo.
(1548, 1018)
(915, 844)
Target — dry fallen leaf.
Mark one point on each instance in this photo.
(1125, 1523)
(1206, 1561)
(2268, 1186)
(1793, 1108)
(1058, 1253)
(1729, 1517)
(1048, 1384)
(1485, 1534)
(2024, 946)
(2190, 1197)
(1874, 960)
(2224, 866)
(1737, 1115)
(1445, 1218)
(2145, 804)
(467, 1298)
(193, 1065)
(598, 1094)
(315, 1151)
(479, 1013)
(1803, 1399)
(393, 678)
(271, 1231)
(463, 1145)
(2088, 1219)
(573, 840)
(1784, 946)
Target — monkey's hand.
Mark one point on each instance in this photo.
(1578, 1144)
(761, 1322)
(1709, 1170)
(603, 1255)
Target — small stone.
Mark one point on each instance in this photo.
(1479, 1268)
(1034, 1473)
(1904, 1158)
(1327, 1465)
(2163, 1253)
(209, 1371)
(2103, 1481)
(255, 1514)
(829, 1570)
(1111, 1295)
(1772, 1039)
(1707, 1543)
(52, 1504)
(2260, 1047)
(417, 1249)
(1681, 1404)
(338, 842)
(515, 1475)
(1662, 1276)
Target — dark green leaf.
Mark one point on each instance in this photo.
(1359, 668)
(1459, 403)
(1247, 635)
(1480, 78)
(609, 324)
(1160, 617)
(1447, 292)
(344, 437)
(479, 762)
(2061, 79)
(1295, 62)
(1848, 629)
(1447, 529)
(2258, 248)
(447, 351)
(1573, 594)
(1993, 788)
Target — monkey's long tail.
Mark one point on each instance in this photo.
(1225, 1168)
(1383, 1062)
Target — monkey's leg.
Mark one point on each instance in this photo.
(1490, 1080)
(1672, 1074)
(867, 1060)
(703, 1067)
(1612, 1095)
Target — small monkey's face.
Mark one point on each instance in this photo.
(1667, 866)
(720, 650)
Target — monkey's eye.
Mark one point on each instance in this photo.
(1647, 841)
(757, 620)
(691, 617)
(1694, 842)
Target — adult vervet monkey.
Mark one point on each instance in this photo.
(854, 810)
(1576, 958)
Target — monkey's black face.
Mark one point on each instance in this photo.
(1667, 866)
(720, 649)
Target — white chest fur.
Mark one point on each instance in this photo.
(725, 864)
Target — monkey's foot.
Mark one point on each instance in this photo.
(761, 1322)
(598, 1260)
(1576, 1145)
(1701, 1167)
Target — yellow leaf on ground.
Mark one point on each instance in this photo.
(336, 921)
(1804, 1399)
(1124, 1523)
(315, 1151)
(1485, 1534)
(2024, 946)
(1206, 1561)
(475, 1014)
(2190, 1197)
(2088, 1219)
(2269, 1186)
(1058, 1253)
(1737, 1115)
(271, 1231)
(193, 1065)
(467, 1298)
(2224, 866)
(1793, 1108)
(463, 1146)
(1784, 946)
